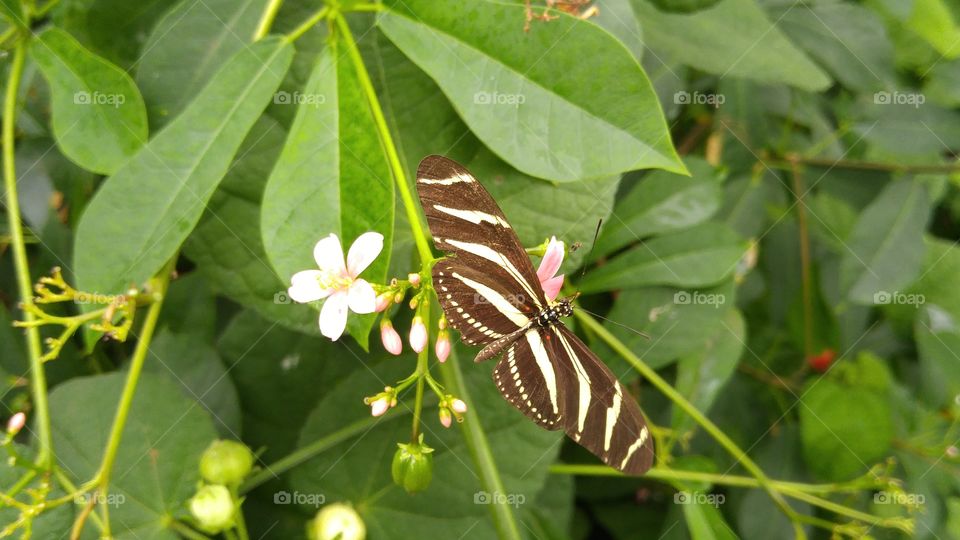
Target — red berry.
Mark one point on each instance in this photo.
(821, 362)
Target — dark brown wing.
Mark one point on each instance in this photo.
(597, 412)
(489, 281)
(527, 379)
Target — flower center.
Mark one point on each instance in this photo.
(334, 281)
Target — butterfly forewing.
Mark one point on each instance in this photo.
(489, 281)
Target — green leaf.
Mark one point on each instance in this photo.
(933, 21)
(899, 126)
(701, 376)
(12, 11)
(662, 202)
(885, 250)
(454, 503)
(156, 468)
(331, 177)
(732, 38)
(52, 523)
(936, 284)
(142, 214)
(194, 366)
(185, 48)
(845, 421)
(699, 257)
(226, 243)
(99, 118)
(514, 88)
(938, 339)
(848, 40)
(745, 203)
(942, 84)
(679, 322)
(706, 522)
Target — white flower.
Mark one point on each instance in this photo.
(338, 282)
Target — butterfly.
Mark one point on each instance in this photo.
(490, 293)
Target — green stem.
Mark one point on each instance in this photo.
(38, 382)
(687, 407)
(159, 289)
(413, 216)
(308, 24)
(300, 455)
(503, 517)
(266, 20)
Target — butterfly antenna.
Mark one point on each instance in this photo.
(601, 317)
(596, 234)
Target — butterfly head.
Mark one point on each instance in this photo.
(556, 311)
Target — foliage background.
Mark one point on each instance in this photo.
(819, 220)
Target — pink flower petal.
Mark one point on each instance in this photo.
(552, 286)
(361, 297)
(305, 287)
(329, 255)
(552, 260)
(390, 338)
(379, 407)
(458, 406)
(418, 335)
(363, 251)
(333, 316)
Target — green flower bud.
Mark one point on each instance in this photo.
(213, 508)
(226, 462)
(337, 521)
(413, 466)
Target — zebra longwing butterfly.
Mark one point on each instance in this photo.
(490, 293)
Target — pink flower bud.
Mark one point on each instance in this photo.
(379, 406)
(16, 423)
(418, 334)
(445, 417)
(458, 406)
(414, 279)
(383, 302)
(390, 338)
(443, 346)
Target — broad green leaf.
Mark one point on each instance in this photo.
(683, 6)
(617, 17)
(933, 21)
(848, 40)
(530, 96)
(331, 177)
(706, 522)
(661, 202)
(194, 366)
(189, 306)
(185, 48)
(942, 84)
(99, 118)
(900, 127)
(696, 257)
(454, 503)
(226, 243)
(702, 375)
(846, 420)
(157, 466)
(746, 201)
(142, 214)
(941, 265)
(12, 11)
(885, 250)
(938, 340)
(679, 322)
(732, 38)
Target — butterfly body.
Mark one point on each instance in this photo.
(490, 293)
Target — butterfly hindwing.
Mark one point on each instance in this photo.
(527, 380)
(597, 412)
